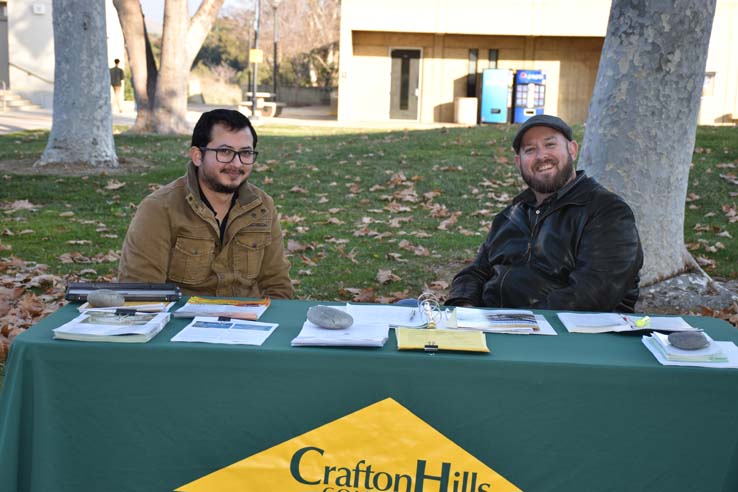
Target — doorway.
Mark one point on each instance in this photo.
(404, 88)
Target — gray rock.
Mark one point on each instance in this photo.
(688, 340)
(329, 318)
(105, 298)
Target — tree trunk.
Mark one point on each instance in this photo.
(82, 122)
(140, 60)
(642, 120)
(170, 104)
(161, 96)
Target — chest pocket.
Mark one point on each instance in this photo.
(248, 251)
(191, 261)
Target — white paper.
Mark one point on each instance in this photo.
(208, 329)
(369, 329)
(483, 319)
(728, 348)
(594, 322)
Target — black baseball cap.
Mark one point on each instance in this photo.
(541, 120)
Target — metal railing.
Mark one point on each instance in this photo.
(31, 73)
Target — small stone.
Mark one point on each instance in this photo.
(329, 318)
(688, 340)
(105, 298)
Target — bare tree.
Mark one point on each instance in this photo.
(161, 95)
(642, 119)
(82, 122)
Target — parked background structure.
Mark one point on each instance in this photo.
(448, 43)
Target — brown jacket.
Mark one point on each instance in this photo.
(174, 238)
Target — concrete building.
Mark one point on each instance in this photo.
(27, 47)
(413, 59)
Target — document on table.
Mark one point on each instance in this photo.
(209, 329)
(717, 354)
(439, 339)
(508, 321)
(613, 322)
(231, 308)
(370, 327)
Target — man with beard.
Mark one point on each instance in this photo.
(565, 243)
(211, 231)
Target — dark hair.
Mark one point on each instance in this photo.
(116, 61)
(229, 118)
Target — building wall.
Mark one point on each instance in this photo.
(720, 95)
(31, 48)
(570, 65)
(562, 37)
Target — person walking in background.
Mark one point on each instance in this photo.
(116, 81)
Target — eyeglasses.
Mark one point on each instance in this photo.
(226, 156)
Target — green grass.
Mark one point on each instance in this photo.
(309, 172)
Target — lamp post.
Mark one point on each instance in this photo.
(254, 82)
(275, 73)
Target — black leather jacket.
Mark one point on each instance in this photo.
(579, 250)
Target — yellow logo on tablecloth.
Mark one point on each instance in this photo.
(383, 447)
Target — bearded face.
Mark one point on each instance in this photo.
(546, 160)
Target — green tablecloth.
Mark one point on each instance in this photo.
(550, 413)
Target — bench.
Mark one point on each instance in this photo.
(267, 109)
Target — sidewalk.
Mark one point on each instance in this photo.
(14, 121)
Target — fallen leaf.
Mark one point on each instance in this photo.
(386, 276)
(114, 184)
(396, 257)
(20, 205)
(295, 246)
(444, 225)
(359, 295)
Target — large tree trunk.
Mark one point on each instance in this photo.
(82, 124)
(170, 104)
(140, 60)
(642, 119)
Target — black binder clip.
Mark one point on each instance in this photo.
(430, 347)
(224, 318)
(125, 312)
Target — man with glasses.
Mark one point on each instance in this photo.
(565, 243)
(211, 231)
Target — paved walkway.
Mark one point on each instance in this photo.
(14, 121)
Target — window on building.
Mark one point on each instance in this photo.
(471, 79)
(708, 87)
(493, 58)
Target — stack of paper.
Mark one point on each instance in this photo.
(102, 326)
(514, 321)
(229, 308)
(141, 306)
(613, 322)
(208, 329)
(716, 354)
(369, 329)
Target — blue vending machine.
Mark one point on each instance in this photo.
(530, 94)
(496, 95)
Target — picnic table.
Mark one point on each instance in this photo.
(264, 107)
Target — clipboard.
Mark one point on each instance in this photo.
(77, 291)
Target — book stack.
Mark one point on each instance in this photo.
(715, 354)
(104, 326)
